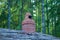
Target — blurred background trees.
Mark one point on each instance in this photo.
(46, 14)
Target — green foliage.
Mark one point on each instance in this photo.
(18, 8)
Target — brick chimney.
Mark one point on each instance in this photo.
(28, 24)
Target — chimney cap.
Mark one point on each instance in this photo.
(27, 20)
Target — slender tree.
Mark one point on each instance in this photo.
(9, 14)
(43, 18)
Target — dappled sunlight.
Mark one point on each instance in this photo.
(45, 13)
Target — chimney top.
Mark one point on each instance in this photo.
(28, 19)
